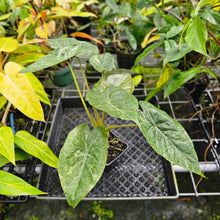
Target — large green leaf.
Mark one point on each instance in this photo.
(115, 101)
(167, 137)
(8, 44)
(38, 88)
(35, 147)
(122, 80)
(197, 35)
(82, 161)
(147, 51)
(18, 90)
(7, 143)
(173, 51)
(179, 78)
(15, 186)
(103, 62)
(19, 155)
(64, 49)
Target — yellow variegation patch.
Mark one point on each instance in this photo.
(163, 77)
(18, 90)
(8, 44)
(42, 31)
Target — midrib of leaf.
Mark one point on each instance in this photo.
(8, 151)
(115, 107)
(154, 125)
(197, 33)
(31, 143)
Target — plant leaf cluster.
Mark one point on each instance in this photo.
(24, 92)
(83, 156)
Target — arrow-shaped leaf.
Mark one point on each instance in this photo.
(167, 137)
(197, 35)
(82, 161)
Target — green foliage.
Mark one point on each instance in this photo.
(35, 147)
(83, 156)
(89, 150)
(197, 35)
(12, 185)
(99, 209)
(64, 49)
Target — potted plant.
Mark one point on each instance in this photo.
(22, 92)
(128, 26)
(82, 159)
(189, 35)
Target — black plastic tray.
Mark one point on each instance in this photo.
(139, 174)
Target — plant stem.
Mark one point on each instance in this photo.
(172, 13)
(5, 59)
(98, 119)
(81, 97)
(109, 127)
(4, 119)
(103, 118)
(83, 73)
(215, 38)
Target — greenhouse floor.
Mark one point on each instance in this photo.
(186, 208)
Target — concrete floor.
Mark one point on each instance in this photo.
(188, 208)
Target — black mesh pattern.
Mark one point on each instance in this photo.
(139, 172)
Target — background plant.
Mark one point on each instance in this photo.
(189, 34)
(24, 93)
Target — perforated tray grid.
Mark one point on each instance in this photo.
(139, 173)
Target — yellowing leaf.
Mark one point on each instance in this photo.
(8, 44)
(23, 26)
(163, 77)
(42, 31)
(7, 143)
(18, 90)
(216, 3)
(3, 101)
(149, 38)
(38, 88)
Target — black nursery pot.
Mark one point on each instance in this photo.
(196, 87)
(126, 59)
(82, 21)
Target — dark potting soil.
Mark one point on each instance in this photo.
(115, 148)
